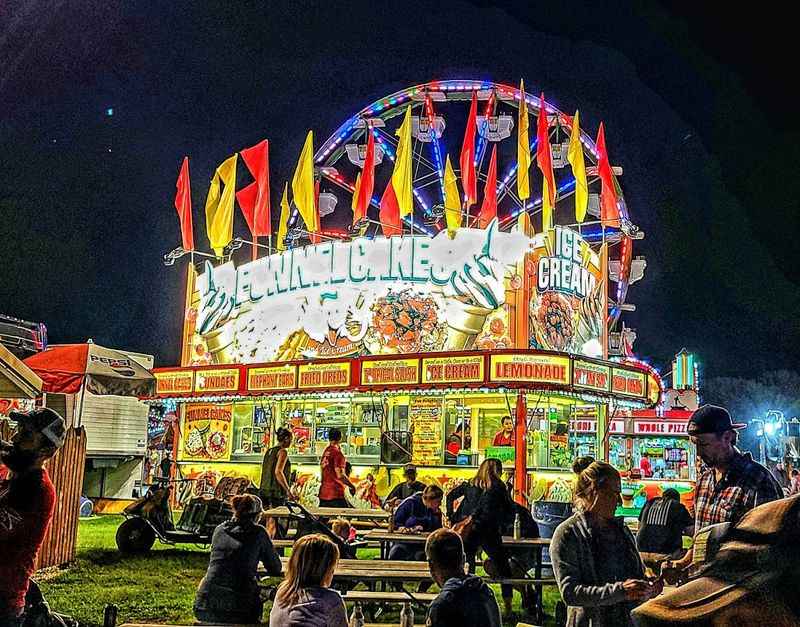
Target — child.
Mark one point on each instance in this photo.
(343, 529)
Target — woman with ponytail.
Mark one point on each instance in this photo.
(229, 591)
(598, 569)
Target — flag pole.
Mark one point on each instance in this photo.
(255, 246)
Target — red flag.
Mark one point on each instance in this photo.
(469, 180)
(183, 203)
(489, 206)
(609, 211)
(545, 162)
(367, 179)
(254, 199)
(390, 213)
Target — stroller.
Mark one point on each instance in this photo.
(308, 523)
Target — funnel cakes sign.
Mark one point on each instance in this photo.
(411, 294)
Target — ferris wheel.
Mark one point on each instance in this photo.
(439, 114)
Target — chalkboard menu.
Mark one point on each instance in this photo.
(425, 416)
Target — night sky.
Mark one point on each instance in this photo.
(697, 110)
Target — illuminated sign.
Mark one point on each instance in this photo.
(324, 375)
(390, 372)
(590, 426)
(271, 378)
(530, 369)
(216, 380)
(628, 382)
(659, 427)
(468, 369)
(178, 382)
(566, 269)
(591, 376)
(207, 432)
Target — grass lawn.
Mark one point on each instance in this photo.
(158, 587)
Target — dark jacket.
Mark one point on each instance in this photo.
(493, 508)
(464, 601)
(412, 512)
(404, 490)
(576, 571)
(230, 586)
(661, 525)
(470, 493)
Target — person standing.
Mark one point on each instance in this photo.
(463, 599)
(276, 469)
(27, 502)
(229, 591)
(645, 466)
(731, 484)
(334, 477)
(597, 567)
(794, 484)
(492, 511)
(166, 466)
(403, 490)
(505, 437)
(662, 523)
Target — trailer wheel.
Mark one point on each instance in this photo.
(134, 535)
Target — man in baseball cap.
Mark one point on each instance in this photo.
(27, 501)
(731, 482)
(403, 490)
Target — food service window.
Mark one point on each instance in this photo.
(458, 433)
(253, 428)
(668, 457)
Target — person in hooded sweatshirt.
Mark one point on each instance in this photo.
(463, 599)
(419, 512)
(229, 591)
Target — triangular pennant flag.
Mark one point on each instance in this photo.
(283, 224)
(467, 161)
(402, 176)
(254, 199)
(609, 210)
(545, 162)
(452, 200)
(364, 195)
(523, 148)
(489, 206)
(303, 188)
(219, 206)
(575, 158)
(183, 204)
(389, 214)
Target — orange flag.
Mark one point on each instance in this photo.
(609, 210)
(489, 206)
(390, 213)
(365, 189)
(469, 180)
(183, 203)
(545, 162)
(254, 199)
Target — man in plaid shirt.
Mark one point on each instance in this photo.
(732, 483)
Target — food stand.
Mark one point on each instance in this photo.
(407, 366)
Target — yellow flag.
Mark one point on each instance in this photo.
(356, 187)
(402, 174)
(219, 207)
(523, 148)
(303, 186)
(284, 221)
(452, 200)
(575, 158)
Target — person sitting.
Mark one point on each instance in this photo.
(419, 512)
(305, 599)
(229, 591)
(597, 567)
(403, 490)
(662, 522)
(463, 599)
(343, 529)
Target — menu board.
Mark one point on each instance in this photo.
(526, 368)
(468, 369)
(207, 432)
(271, 378)
(324, 375)
(628, 382)
(591, 376)
(177, 382)
(389, 371)
(216, 380)
(425, 417)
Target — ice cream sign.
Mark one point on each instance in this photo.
(567, 268)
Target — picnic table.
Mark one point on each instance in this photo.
(376, 516)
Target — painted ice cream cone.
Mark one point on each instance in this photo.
(464, 323)
(220, 343)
